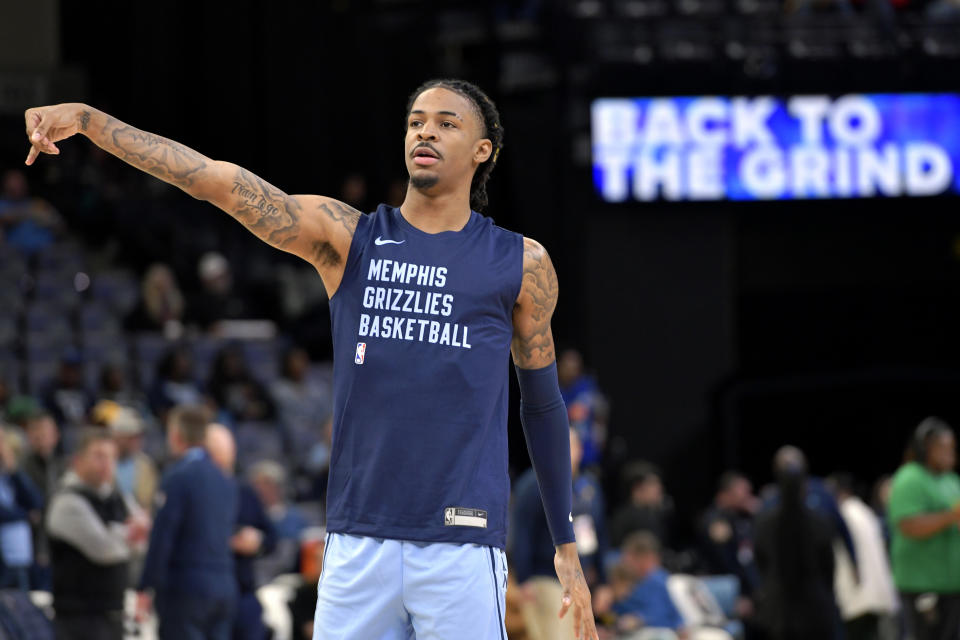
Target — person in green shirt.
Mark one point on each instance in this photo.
(924, 517)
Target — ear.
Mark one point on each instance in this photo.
(482, 150)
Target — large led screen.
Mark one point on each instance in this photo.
(770, 148)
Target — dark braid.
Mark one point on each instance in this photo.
(492, 129)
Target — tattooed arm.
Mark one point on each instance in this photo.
(533, 353)
(532, 345)
(316, 228)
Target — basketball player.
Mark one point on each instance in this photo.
(426, 301)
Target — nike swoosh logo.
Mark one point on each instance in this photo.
(380, 242)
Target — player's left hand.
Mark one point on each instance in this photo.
(576, 594)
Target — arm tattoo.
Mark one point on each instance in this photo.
(84, 120)
(265, 210)
(160, 157)
(533, 338)
(324, 253)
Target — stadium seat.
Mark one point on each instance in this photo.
(46, 319)
(148, 348)
(262, 359)
(258, 441)
(8, 329)
(63, 256)
(56, 288)
(117, 289)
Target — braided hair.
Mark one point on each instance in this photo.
(493, 130)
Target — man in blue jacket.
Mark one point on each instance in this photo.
(189, 566)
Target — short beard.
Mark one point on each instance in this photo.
(423, 182)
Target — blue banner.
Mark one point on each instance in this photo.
(768, 148)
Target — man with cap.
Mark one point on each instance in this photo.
(136, 472)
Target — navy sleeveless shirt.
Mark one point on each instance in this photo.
(422, 325)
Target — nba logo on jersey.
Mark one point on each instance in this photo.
(361, 352)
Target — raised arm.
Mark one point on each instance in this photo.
(316, 228)
(546, 427)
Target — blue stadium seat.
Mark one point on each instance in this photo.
(117, 289)
(40, 372)
(9, 330)
(263, 359)
(56, 288)
(258, 441)
(204, 352)
(148, 348)
(64, 256)
(47, 319)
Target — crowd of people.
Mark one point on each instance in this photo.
(99, 496)
(808, 557)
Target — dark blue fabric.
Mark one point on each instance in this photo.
(26, 496)
(822, 501)
(252, 514)
(531, 546)
(584, 392)
(183, 617)
(189, 551)
(547, 430)
(21, 619)
(650, 600)
(420, 410)
(248, 620)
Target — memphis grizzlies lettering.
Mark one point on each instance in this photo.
(420, 299)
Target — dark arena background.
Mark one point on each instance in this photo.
(733, 282)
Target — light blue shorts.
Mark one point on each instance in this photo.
(382, 589)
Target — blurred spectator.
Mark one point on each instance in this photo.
(161, 305)
(648, 508)
(794, 551)
(21, 505)
(642, 599)
(726, 532)
(217, 299)
(925, 519)
(235, 390)
(318, 461)
(66, 396)
(513, 621)
(816, 495)
(40, 460)
(189, 566)
(136, 472)
(869, 599)
(41, 463)
(115, 386)
(302, 405)
(29, 224)
(532, 550)
(582, 397)
(303, 606)
(254, 535)
(175, 383)
(268, 479)
(93, 534)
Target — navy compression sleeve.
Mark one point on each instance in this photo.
(547, 430)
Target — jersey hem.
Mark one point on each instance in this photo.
(459, 535)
